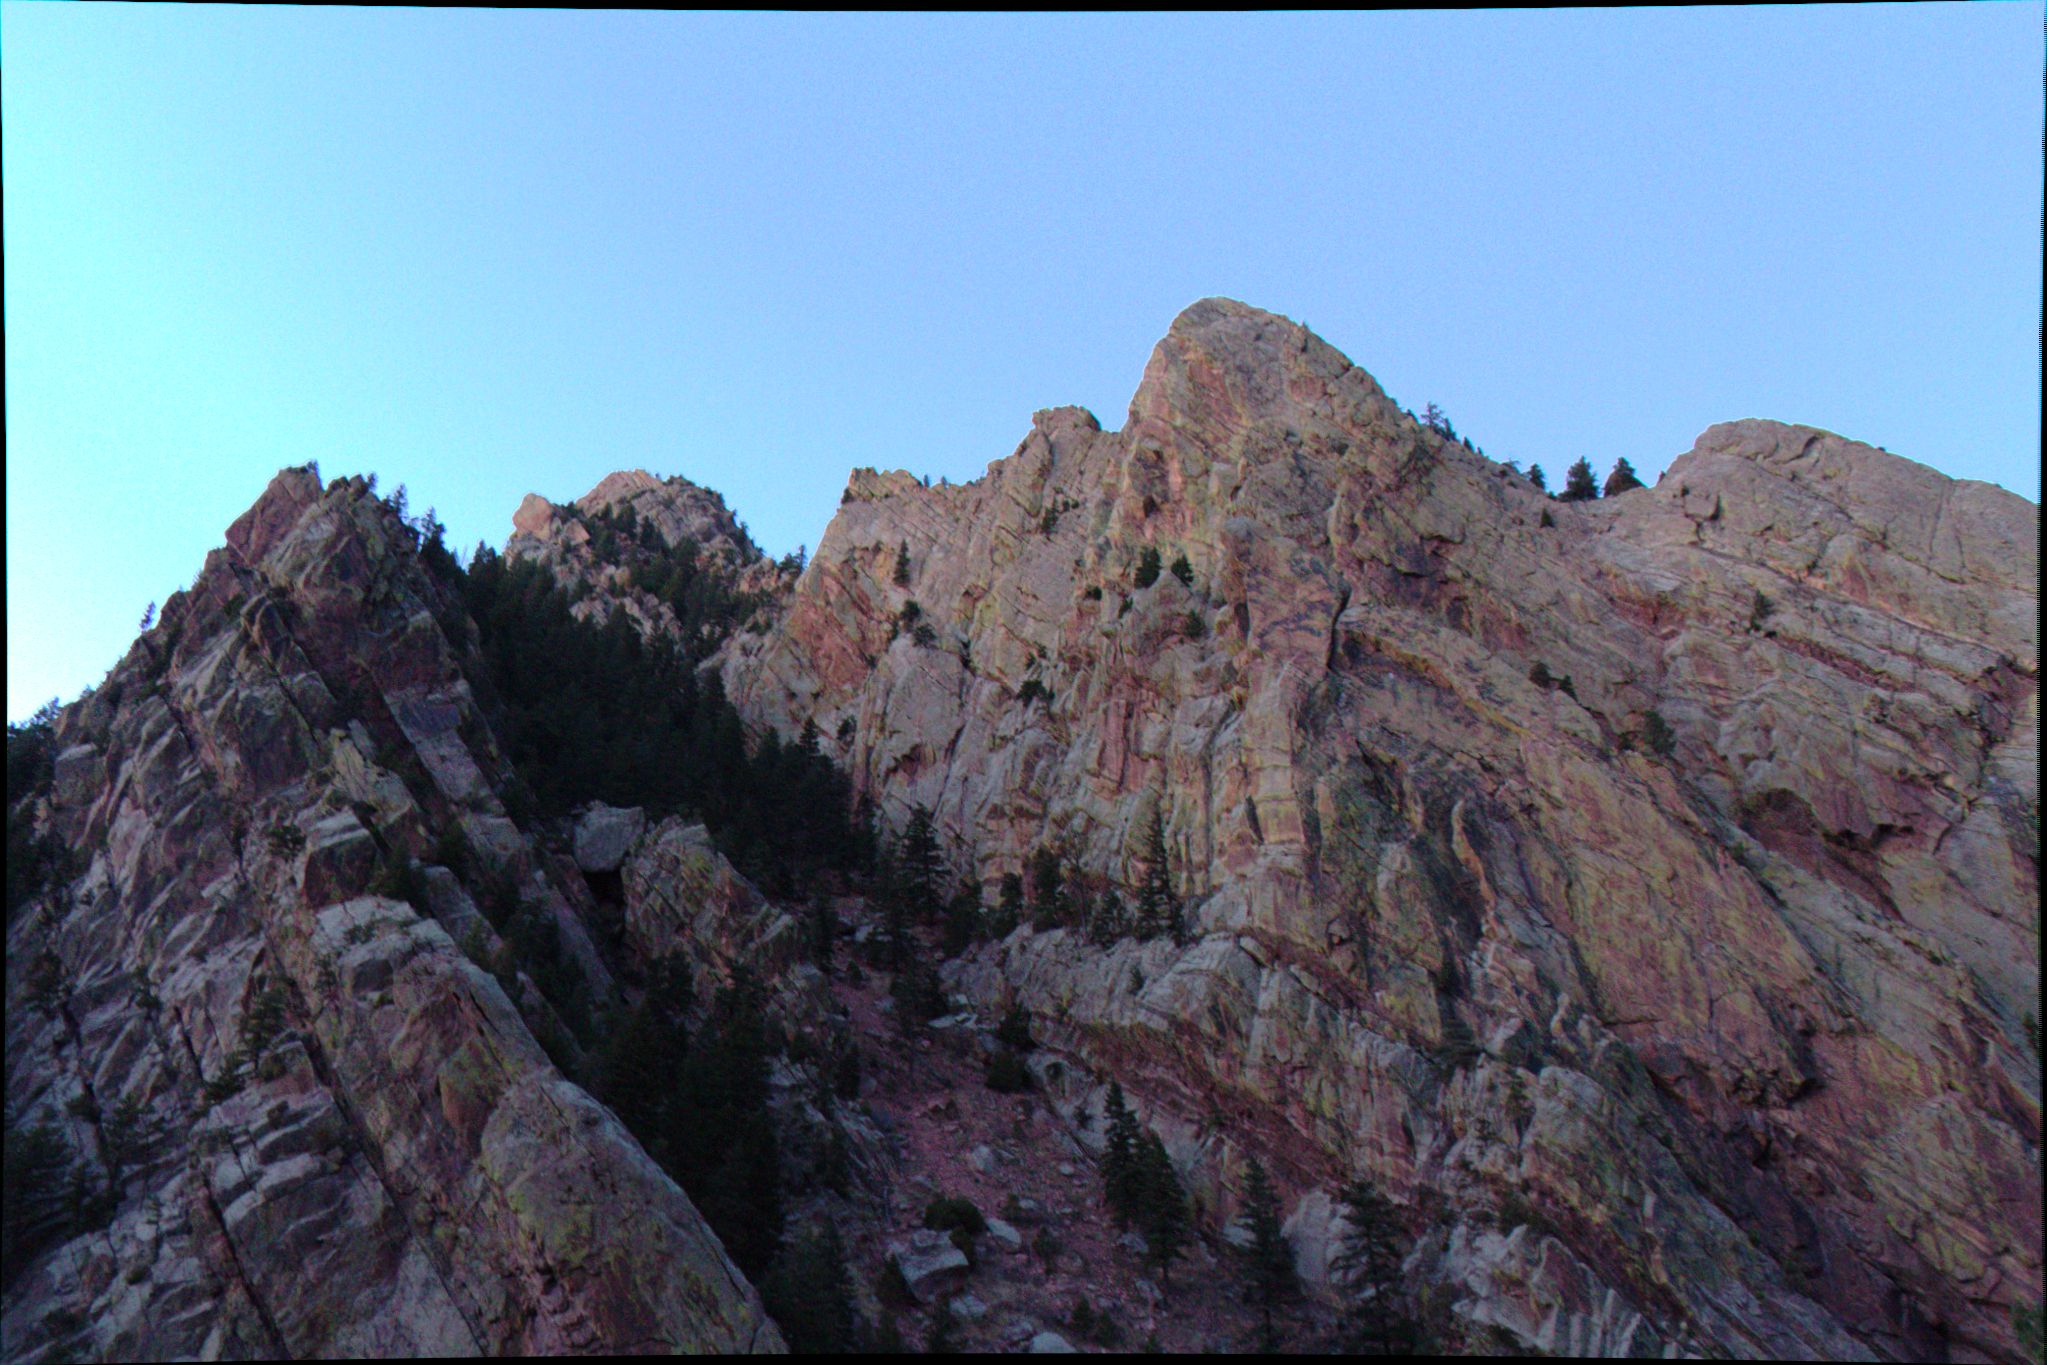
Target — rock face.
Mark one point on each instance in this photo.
(579, 544)
(1642, 891)
(325, 1129)
(675, 509)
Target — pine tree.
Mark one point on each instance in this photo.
(1119, 1157)
(963, 919)
(1048, 889)
(892, 947)
(1538, 478)
(1158, 909)
(1269, 1261)
(1367, 1263)
(719, 1142)
(1162, 1206)
(1148, 566)
(1110, 921)
(811, 1294)
(637, 1065)
(918, 866)
(1578, 483)
(902, 575)
(1622, 479)
(39, 1176)
(820, 932)
(1008, 911)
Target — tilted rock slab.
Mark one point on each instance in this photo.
(351, 1143)
(1644, 891)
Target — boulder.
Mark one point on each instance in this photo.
(932, 1266)
(77, 775)
(605, 834)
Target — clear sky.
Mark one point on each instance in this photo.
(490, 252)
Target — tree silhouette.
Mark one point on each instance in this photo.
(1161, 1206)
(1119, 1157)
(1269, 1260)
(1148, 567)
(1578, 484)
(1158, 909)
(811, 1294)
(964, 921)
(1367, 1263)
(918, 864)
(1622, 479)
(1008, 912)
(1048, 889)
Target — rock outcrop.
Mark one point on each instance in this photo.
(1644, 891)
(320, 1127)
(587, 544)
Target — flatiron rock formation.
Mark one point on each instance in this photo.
(1643, 891)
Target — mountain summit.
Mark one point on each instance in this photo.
(1662, 868)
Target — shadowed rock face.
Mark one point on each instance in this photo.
(345, 1139)
(1647, 899)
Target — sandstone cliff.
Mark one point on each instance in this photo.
(1644, 890)
(316, 1125)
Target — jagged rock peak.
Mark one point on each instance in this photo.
(1707, 811)
(274, 513)
(677, 508)
(1223, 363)
(338, 1134)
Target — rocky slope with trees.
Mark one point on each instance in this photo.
(1641, 891)
(1266, 876)
(292, 999)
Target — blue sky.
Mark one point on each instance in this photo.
(490, 252)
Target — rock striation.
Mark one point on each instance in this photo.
(320, 1126)
(1643, 891)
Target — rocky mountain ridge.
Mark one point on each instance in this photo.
(1641, 892)
(1664, 867)
(338, 1134)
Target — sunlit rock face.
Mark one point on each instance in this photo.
(327, 1130)
(1644, 890)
